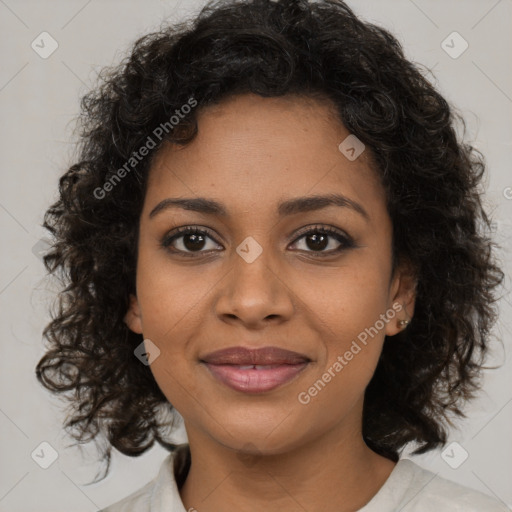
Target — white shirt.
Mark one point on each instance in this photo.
(409, 488)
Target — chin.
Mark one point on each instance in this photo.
(254, 439)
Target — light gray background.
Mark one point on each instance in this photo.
(38, 101)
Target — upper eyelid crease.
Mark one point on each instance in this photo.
(288, 207)
(329, 230)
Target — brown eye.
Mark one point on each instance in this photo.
(188, 240)
(193, 242)
(319, 239)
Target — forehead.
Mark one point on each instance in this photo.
(251, 152)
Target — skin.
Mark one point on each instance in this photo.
(254, 452)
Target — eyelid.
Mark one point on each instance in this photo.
(346, 241)
(181, 231)
(321, 227)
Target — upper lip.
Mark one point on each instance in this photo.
(260, 356)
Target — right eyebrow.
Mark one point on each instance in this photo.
(196, 204)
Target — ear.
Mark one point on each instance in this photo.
(402, 297)
(133, 317)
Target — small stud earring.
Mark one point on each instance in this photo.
(403, 323)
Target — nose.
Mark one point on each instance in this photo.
(255, 293)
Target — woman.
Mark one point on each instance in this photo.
(273, 230)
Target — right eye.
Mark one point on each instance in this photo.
(188, 240)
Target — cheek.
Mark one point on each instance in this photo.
(345, 307)
(171, 299)
(349, 298)
(172, 303)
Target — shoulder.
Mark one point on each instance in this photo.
(162, 493)
(138, 501)
(427, 491)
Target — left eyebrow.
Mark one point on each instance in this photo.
(312, 203)
(289, 207)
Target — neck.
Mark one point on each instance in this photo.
(337, 471)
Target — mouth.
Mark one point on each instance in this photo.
(254, 371)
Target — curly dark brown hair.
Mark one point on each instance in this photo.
(431, 177)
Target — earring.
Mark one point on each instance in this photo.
(403, 323)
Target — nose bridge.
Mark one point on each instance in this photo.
(253, 289)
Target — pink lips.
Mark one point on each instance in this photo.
(254, 370)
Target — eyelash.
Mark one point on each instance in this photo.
(346, 241)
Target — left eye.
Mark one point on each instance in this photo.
(319, 239)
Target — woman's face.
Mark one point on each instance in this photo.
(265, 273)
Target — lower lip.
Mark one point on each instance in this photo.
(253, 380)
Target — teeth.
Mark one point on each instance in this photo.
(257, 367)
